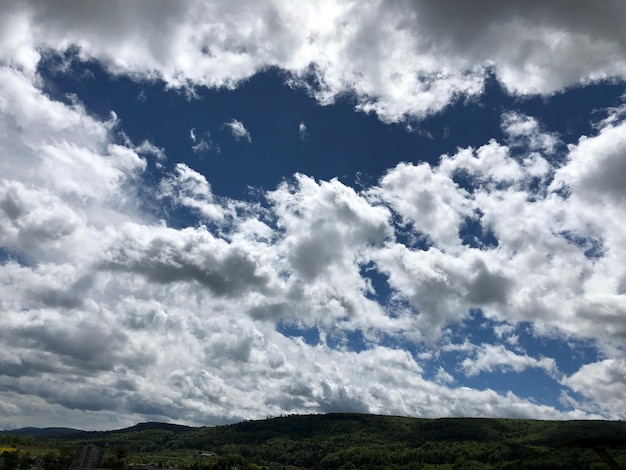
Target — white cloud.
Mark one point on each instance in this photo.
(238, 130)
(596, 165)
(302, 130)
(188, 188)
(193, 304)
(426, 198)
(602, 384)
(443, 377)
(408, 58)
(525, 132)
(148, 148)
(492, 358)
(201, 145)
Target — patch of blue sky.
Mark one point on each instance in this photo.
(309, 334)
(407, 234)
(576, 110)
(337, 338)
(568, 352)
(380, 290)
(8, 255)
(592, 247)
(355, 147)
(422, 353)
(475, 328)
(348, 340)
(532, 383)
(474, 234)
(465, 181)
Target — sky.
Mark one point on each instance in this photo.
(214, 211)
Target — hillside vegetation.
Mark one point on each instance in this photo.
(344, 441)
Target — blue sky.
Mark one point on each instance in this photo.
(215, 211)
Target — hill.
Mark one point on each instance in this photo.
(44, 432)
(343, 441)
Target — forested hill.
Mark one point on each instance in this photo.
(368, 441)
(44, 432)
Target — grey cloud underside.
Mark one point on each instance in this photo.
(164, 262)
(107, 309)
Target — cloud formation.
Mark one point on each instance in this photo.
(302, 130)
(238, 130)
(400, 59)
(109, 309)
(489, 358)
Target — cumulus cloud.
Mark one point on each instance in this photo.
(188, 188)
(238, 130)
(194, 304)
(602, 383)
(595, 167)
(168, 256)
(400, 59)
(524, 131)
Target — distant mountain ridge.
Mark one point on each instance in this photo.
(60, 432)
(45, 432)
(437, 428)
(155, 425)
(368, 442)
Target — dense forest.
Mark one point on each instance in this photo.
(332, 441)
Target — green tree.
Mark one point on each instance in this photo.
(11, 459)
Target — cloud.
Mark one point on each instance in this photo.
(238, 130)
(201, 145)
(195, 303)
(491, 358)
(410, 191)
(602, 383)
(443, 377)
(94, 259)
(524, 131)
(399, 59)
(303, 131)
(167, 256)
(185, 187)
(595, 165)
